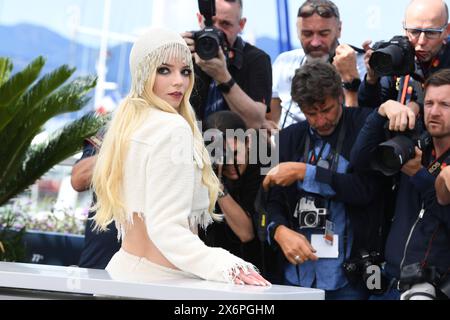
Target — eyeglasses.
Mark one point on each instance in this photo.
(430, 33)
(325, 10)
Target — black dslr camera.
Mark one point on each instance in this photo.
(413, 275)
(391, 155)
(393, 58)
(356, 269)
(210, 39)
(309, 216)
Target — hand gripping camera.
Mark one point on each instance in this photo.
(395, 57)
(210, 39)
(391, 155)
(309, 216)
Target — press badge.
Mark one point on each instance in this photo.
(324, 249)
(329, 232)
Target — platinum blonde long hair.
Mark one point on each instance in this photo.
(108, 172)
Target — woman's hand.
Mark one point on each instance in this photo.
(251, 278)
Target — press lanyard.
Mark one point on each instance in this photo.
(333, 167)
(335, 160)
(315, 159)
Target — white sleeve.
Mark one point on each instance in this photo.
(170, 188)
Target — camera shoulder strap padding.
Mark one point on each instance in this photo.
(436, 166)
(342, 132)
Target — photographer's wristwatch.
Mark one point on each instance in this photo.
(226, 87)
(353, 85)
(223, 193)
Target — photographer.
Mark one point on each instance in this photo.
(239, 80)
(319, 29)
(420, 227)
(99, 247)
(443, 186)
(426, 28)
(241, 178)
(314, 180)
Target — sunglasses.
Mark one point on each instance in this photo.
(323, 10)
(430, 33)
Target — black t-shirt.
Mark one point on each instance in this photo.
(251, 68)
(219, 234)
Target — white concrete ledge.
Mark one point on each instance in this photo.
(40, 281)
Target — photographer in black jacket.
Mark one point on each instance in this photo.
(427, 29)
(420, 229)
(240, 170)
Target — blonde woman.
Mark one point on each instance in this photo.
(154, 178)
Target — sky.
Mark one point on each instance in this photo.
(362, 19)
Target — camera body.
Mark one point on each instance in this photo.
(391, 155)
(423, 283)
(395, 57)
(309, 216)
(418, 282)
(414, 273)
(209, 40)
(356, 269)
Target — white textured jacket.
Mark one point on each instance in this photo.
(163, 183)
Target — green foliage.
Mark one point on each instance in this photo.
(5, 70)
(27, 102)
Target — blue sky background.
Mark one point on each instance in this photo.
(377, 19)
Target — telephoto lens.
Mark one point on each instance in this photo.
(393, 58)
(390, 156)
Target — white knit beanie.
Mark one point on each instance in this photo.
(154, 48)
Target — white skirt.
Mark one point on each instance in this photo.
(127, 267)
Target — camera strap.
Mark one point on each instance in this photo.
(333, 167)
(404, 91)
(409, 90)
(437, 165)
(335, 161)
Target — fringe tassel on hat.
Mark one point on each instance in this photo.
(156, 58)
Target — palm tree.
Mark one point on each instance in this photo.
(27, 102)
